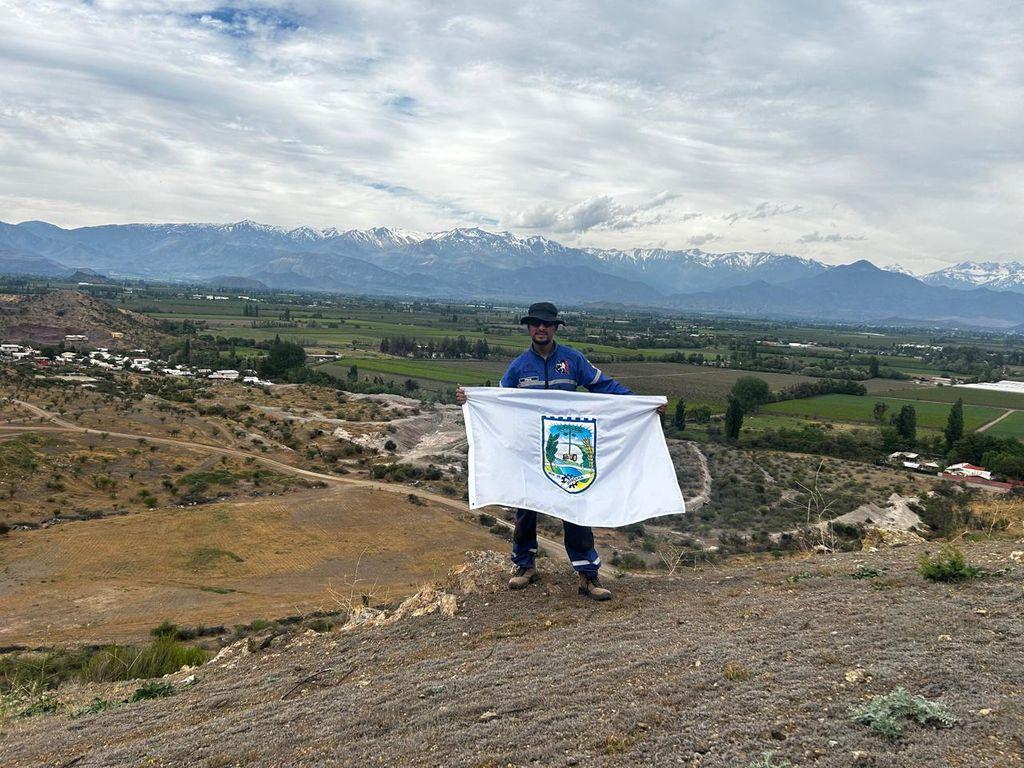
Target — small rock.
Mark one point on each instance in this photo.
(985, 712)
(778, 734)
(1017, 555)
(945, 638)
(190, 680)
(489, 715)
(857, 675)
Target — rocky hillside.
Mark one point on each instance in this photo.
(714, 667)
(48, 317)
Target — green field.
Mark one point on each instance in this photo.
(1011, 426)
(970, 396)
(852, 408)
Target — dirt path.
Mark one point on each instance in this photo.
(995, 421)
(62, 425)
(702, 498)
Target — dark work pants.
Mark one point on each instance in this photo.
(579, 543)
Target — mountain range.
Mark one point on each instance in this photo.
(474, 263)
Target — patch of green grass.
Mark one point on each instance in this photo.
(161, 657)
(218, 590)
(1011, 426)
(203, 557)
(153, 690)
(948, 565)
(17, 458)
(856, 408)
(884, 713)
(200, 481)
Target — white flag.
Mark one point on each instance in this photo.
(590, 459)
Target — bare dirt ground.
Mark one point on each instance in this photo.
(114, 579)
(711, 669)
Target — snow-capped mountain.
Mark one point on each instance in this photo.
(694, 270)
(476, 263)
(1000, 276)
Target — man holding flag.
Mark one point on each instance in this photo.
(547, 365)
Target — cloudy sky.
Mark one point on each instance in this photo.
(842, 130)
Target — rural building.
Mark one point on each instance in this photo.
(968, 470)
(224, 374)
(76, 337)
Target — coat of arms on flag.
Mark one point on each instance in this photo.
(569, 452)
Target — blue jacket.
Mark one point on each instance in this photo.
(565, 368)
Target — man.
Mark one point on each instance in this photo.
(547, 365)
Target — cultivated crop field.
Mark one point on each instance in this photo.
(970, 396)
(1011, 426)
(860, 409)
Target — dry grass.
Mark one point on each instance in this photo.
(114, 579)
(1000, 514)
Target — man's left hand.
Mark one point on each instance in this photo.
(661, 408)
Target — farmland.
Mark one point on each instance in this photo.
(1011, 426)
(851, 408)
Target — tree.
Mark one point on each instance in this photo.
(879, 411)
(955, 423)
(411, 385)
(679, 417)
(283, 356)
(733, 419)
(353, 373)
(906, 424)
(751, 393)
(873, 367)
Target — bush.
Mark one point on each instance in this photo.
(883, 713)
(948, 565)
(161, 657)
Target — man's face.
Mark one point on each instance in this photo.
(541, 332)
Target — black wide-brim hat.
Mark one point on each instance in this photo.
(542, 310)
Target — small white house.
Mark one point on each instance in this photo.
(76, 337)
(227, 374)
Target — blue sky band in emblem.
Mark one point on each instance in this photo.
(569, 452)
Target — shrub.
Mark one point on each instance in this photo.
(161, 657)
(152, 690)
(948, 565)
(883, 713)
(486, 520)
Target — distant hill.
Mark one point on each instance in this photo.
(474, 263)
(863, 292)
(16, 262)
(48, 317)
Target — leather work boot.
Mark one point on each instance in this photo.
(523, 577)
(591, 587)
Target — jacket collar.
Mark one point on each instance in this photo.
(554, 348)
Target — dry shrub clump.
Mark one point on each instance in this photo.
(1006, 515)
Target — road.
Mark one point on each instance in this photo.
(280, 466)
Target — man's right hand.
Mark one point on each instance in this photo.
(460, 395)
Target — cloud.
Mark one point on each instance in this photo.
(897, 121)
(761, 211)
(833, 237)
(593, 213)
(699, 240)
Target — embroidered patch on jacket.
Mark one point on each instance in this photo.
(569, 453)
(562, 366)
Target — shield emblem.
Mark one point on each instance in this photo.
(569, 452)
